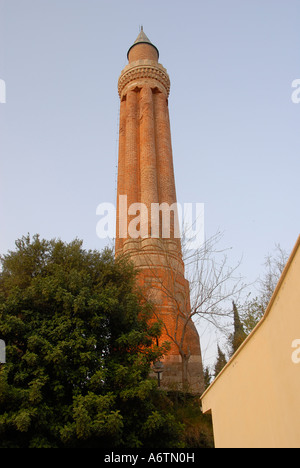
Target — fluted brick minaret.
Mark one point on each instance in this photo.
(146, 177)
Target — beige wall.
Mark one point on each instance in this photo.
(255, 401)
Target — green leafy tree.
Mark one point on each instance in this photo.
(79, 348)
(252, 312)
(253, 309)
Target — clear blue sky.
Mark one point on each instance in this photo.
(235, 130)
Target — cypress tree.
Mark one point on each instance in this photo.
(239, 334)
(207, 377)
(220, 363)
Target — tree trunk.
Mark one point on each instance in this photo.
(184, 367)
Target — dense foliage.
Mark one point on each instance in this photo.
(79, 348)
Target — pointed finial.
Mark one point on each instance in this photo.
(142, 29)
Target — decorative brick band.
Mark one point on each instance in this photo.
(141, 72)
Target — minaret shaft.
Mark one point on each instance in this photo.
(145, 168)
(132, 148)
(147, 184)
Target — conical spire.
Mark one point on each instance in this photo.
(142, 39)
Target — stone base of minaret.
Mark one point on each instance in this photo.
(170, 378)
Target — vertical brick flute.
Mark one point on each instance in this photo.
(146, 175)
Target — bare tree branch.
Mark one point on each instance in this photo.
(212, 281)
